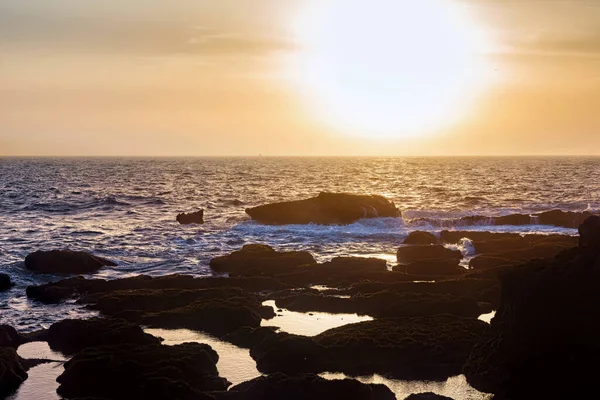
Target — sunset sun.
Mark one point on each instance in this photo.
(388, 69)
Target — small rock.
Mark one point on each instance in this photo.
(191, 218)
(65, 262)
(420, 237)
(5, 282)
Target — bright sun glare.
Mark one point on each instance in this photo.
(388, 68)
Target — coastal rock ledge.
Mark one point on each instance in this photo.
(325, 209)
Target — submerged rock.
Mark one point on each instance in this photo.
(12, 372)
(70, 336)
(325, 209)
(142, 372)
(543, 341)
(420, 237)
(307, 386)
(65, 262)
(5, 282)
(429, 348)
(411, 254)
(191, 218)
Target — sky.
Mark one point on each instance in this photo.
(281, 77)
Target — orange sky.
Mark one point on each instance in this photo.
(208, 77)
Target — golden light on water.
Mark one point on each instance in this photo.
(388, 68)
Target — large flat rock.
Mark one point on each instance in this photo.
(325, 209)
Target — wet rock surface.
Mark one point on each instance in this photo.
(70, 336)
(5, 282)
(65, 262)
(196, 217)
(542, 342)
(565, 219)
(420, 237)
(9, 337)
(300, 268)
(411, 348)
(325, 209)
(384, 304)
(12, 372)
(417, 253)
(142, 372)
(432, 268)
(306, 386)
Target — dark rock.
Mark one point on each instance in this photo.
(420, 237)
(300, 269)
(543, 341)
(566, 219)
(67, 288)
(252, 258)
(142, 372)
(70, 336)
(9, 337)
(5, 282)
(174, 301)
(217, 311)
(307, 386)
(12, 373)
(476, 236)
(410, 254)
(65, 262)
(432, 268)
(427, 396)
(589, 234)
(430, 348)
(520, 256)
(191, 218)
(326, 209)
(387, 303)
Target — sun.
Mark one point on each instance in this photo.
(388, 68)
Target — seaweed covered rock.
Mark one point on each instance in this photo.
(411, 254)
(5, 282)
(12, 373)
(518, 256)
(383, 304)
(70, 336)
(217, 311)
(300, 269)
(55, 292)
(420, 237)
(65, 262)
(432, 268)
(252, 259)
(306, 386)
(430, 348)
(325, 209)
(216, 306)
(129, 372)
(9, 337)
(543, 343)
(191, 218)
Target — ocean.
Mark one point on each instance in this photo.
(124, 209)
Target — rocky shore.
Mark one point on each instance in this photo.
(541, 343)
